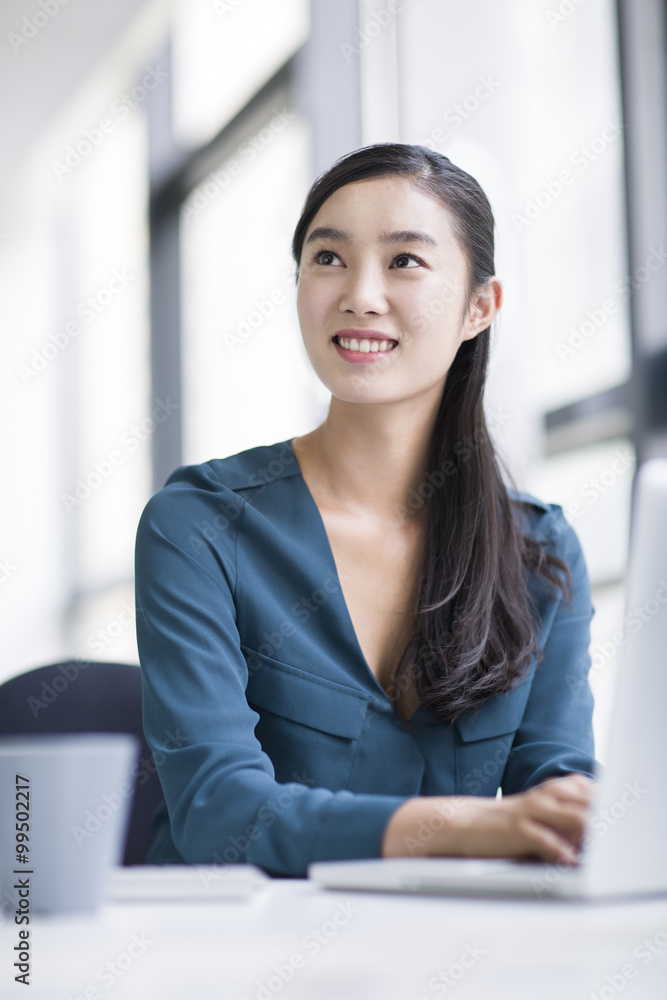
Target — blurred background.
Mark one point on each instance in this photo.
(155, 156)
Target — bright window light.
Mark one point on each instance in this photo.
(224, 51)
(246, 376)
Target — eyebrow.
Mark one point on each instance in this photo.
(398, 236)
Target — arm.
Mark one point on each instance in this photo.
(546, 822)
(554, 739)
(556, 733)
(223, 800)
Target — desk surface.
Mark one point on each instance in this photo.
(296, 941)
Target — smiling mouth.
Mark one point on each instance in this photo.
(365, 345)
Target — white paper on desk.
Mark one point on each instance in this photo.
(196, 882)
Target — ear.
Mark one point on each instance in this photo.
(484, 308)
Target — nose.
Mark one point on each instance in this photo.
(364, 292)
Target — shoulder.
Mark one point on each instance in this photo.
(543, 521)
(246, 470)
(546, 523)
(218, 489)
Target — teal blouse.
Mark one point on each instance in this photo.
(275, 743)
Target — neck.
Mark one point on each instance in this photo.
(371, 458)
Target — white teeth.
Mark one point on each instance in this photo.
(365, 346)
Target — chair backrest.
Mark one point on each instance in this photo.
(87, 697)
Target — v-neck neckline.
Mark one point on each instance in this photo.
(328, 548)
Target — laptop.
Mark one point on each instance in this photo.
(624, 846)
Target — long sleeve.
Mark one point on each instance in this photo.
(222, 797)
(555, 736)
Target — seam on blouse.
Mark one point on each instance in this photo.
(163, 537)
(236, 545)
(300, 674)
(356, 753)
(190, 555)
(570, 621)
(354, 759)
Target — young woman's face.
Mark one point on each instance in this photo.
(380, 264)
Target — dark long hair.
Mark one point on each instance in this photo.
(473, 624)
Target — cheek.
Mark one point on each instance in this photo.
(439, 299)
(309, 304)
(426, 311)
(435, 334)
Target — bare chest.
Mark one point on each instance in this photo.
(377, 568)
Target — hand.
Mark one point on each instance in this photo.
(546, 822)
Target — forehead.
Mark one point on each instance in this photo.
(367, 208)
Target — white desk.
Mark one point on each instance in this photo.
(374, 947)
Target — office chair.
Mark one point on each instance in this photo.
(78, 696)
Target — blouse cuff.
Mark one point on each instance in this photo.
(356, 826)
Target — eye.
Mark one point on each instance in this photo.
(400, 262)
(318, 258)
(406, 257)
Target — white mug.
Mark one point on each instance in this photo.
(64, 810)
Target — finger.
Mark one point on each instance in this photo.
(568, 817)
(564, 805)
(568, 820)
(545, 843)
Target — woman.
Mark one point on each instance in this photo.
(352, 639)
